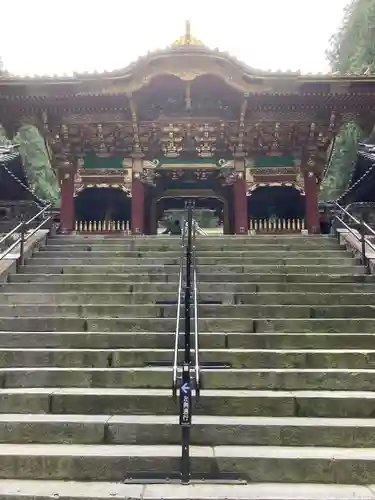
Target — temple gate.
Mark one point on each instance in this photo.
(190, 119)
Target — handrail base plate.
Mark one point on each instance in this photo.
(175, 478)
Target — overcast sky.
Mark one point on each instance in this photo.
(49, 37)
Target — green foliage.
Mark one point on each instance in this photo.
(4, 141)
(41, 178)
(352, 50)
(38, 168)
(342, 161)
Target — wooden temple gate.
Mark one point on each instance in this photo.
(198, 114)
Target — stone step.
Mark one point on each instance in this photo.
(217, 246)
(113, 311)
(255, 463)
(225, 298)
(236, 325)
(82, 400)
(163, 340)
(108, 270)
(228, 262)
(206, 289)
(213, 237)
(119, 401)
(290, 379)
(66, 251)
(72, 490)
(206, 430)
(201, 241)
(298, 279)
(235, 358)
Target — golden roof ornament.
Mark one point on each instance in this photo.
(187, 38)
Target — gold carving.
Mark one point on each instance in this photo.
(187, 38)
(172, 143)
(206, 142)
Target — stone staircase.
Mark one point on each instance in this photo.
(85, 329)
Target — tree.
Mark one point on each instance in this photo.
(4, 141)
(342, 162)
(351, 50)
(42, 180)
(40, 175)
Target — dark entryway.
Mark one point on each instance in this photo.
(103, 204)
(209, 212)
(276, 202)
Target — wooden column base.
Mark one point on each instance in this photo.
(240, 206)
(311, 201)
(67, 215)
(137, 207)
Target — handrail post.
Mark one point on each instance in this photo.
(187, 357)
(22, 243)
(186, 386)
(364, 259)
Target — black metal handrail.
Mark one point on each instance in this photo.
(186, 372)
(359, 231)
(25, 233)
(197, 374)
(178, 314)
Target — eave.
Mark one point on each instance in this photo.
(107, 77)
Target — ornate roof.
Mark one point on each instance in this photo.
(183, 58)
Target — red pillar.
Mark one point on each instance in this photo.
(66, 177)
(311, 203)
(138, 206)
(240, 206)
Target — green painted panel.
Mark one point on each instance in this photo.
(198, 163)
(166, 161)
(273, 161)
(102, 163)
(189, 185)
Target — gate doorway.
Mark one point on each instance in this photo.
(102, 209)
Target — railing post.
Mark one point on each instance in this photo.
(187, 304)
(22, 243)
(186, 386)
(364, 259)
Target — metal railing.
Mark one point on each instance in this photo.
(197, 366)
(186, 368)
(186, 372)
(178, 316)
(24, 231)
(357, 228)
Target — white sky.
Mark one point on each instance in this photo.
(48, 37)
